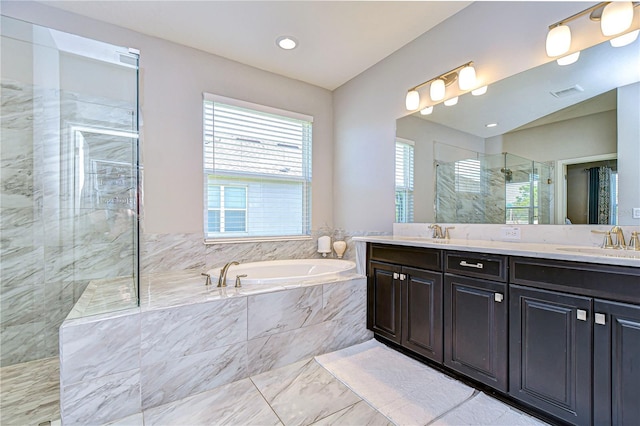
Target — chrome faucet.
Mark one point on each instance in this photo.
(620, 242)
(437, 231)
(222, 279)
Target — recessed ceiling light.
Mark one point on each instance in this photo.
(286, 42)
(491, 125)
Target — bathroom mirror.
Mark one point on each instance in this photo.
(549, 119)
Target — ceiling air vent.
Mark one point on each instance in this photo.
(569, 91)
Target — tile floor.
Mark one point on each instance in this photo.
(366, 384)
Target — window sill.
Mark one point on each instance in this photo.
(210, 241)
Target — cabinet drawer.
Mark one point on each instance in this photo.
(416, 257)
(617, 283)
(477, 265)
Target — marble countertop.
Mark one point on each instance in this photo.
(588, 254)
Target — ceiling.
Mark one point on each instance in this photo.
(337, 39)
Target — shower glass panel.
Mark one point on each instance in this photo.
(499, 188)
(69, 202)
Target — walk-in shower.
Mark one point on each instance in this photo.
(69, 202)
(498, 188)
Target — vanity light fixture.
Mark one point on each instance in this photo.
(426, 111)
(286, 42)
(615, 18)
(451, 102)
(465, 75)
(479, 91)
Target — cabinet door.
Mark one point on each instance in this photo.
(550, 352)
(616, 363)
(475, 333)
(422, 312)
(383, 300)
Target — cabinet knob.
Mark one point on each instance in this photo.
(396, 276)
(581, 315)
(600, 319)
(498, 297)
(402, 277)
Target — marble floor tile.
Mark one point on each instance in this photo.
(304, 392)
(484, 410)
(401, 388)
(30, 392)
(237, 403)
(360, 413)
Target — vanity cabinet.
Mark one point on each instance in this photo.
(475, 320)
(616, 359)
(570, 322)
(404, 297)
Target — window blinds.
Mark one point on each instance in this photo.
(266, 151)
(404, 181)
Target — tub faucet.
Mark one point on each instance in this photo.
(222, 279)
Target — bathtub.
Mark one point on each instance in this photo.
(282, 271)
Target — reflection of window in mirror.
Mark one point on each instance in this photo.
(592, 192)
(404, 180)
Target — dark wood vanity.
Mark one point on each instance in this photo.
(560, 337)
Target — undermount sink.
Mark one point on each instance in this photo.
(628, 254)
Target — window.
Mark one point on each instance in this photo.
(257, 170)
(404, 180)
(467, 174)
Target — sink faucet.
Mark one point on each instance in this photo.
(222, 279)
(437, 231)
(620, 242)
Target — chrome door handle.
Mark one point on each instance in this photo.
(600, 319)
(498, 297)
(395, 276)
(471, 265)
(402, 277)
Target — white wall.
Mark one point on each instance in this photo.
(594, 134)
(628, 152)
(502, 38)
(173, 78)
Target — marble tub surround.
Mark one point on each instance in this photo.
(173, 346)
(108, 295)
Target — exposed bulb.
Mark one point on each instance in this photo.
(479, 91)
(437, 90)
(616, 18)
(451, 102)
(467, 78)
(569, 59)
(412, 102)
(558, 41)
(625, 39)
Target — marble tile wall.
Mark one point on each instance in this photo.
(55, 238)
(160, 355)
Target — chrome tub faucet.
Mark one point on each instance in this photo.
(222, 279)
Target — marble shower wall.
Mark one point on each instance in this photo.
(57, 233)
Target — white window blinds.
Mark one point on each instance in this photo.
(404, 180)
(264, 156)
(467, 174)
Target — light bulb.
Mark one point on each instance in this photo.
(426, 111)
(558, 40)
(569, 59)
(616, 18)
(412, 101)
(451, 102)
(625, 39)
(286, 42)
(467, 78)
(479, 91)
(437, 90)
